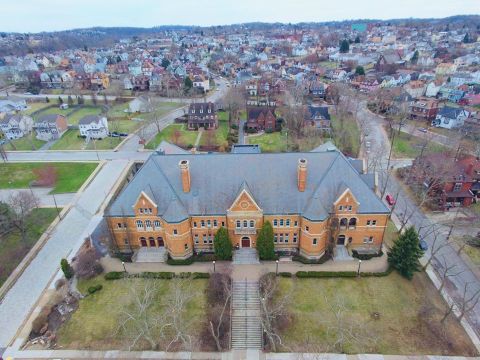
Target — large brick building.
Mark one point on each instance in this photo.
(179, 202)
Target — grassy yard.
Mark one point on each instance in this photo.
(71, 141)
(216, 137)
(274, 142)
(388, 315)
(95, 323)
(27, 143)
(346, 135)
(70, 176)
(74, 118)
(391, 234)
(35, 106)
(409, 146)
(13, 249)
(186, 137)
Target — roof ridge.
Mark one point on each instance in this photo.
(175, 195)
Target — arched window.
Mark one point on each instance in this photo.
(252, 223)
(343, 223)
(245, 223)
(352, 223)
(139, 224)
(238, 223)
(160, 241)
(148, 224)
(156, 223)
(151, 241)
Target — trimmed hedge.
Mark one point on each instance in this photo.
(304, 260)
(204, 257)
(116, 275)
(94, 289)
(188, 261)
(345, 274)
(356, 255)
(285, 274)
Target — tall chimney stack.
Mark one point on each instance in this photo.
(302, 174)
(185, 173)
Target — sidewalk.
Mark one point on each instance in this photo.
(249, 272)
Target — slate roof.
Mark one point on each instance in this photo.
(314, 112)
(50, 118)
(450, 112)
(246, 149)
(88, 119)
(271, 178)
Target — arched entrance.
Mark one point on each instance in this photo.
(341, 240)
(160, 241)
(143, 241)
(245, 242)
(151, 241)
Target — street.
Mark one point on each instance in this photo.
(380, 144)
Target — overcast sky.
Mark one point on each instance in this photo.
(48, 15)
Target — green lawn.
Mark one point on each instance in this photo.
(35, 106)
(387, 315)
(409, 146)
(12, 247)
(186, 137)
(216, 137)
(70, 176)
(71, 141)
(274, 142)
(74, 118)
(124, 125)
(346, 135)
(27, 143)
(161, 108)
(95, 323)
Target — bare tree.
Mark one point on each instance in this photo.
(273, 310)
(446, 272)
(468, 302)
(436, 246)
(22, 203)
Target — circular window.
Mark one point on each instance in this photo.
(244, 204)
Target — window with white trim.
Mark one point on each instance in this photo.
(215, 223)
(314, 241)
(204, 238)
(287, 235)
(275, 238)
(148, 224)
(281, 222)
(156, 224)
(202, 223)
(245, 223)
(287, 222)
(139, 224)
(196, 239)
(275, 222)
(238, 224)
(252, 223)
(175, 232)
(295, 237)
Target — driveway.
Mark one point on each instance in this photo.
(43, 194)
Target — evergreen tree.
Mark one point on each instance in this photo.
(357, 40)
(66, 268)
(414, 57)
(165, 63)
(47, 100)
(188, 83)
(60, 100)
(405, 253)
(360, 70)
(222, 245)
(265, 245)
(344, 46)
(466, 39)
(70, 100)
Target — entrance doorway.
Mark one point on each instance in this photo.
(341, 240)
(143, 241)
(151, 240)
(245, 242)
(160, 241)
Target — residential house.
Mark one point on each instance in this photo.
(318, 117)
(141, 104)
(93, 127)
(450, 117)
(16, 126)
(423, 109)
(451, 182)
(261, 118)
(12, 104)
(50, 127)
(445, 69)
(433, 88)
(178, 202)
(415, 88)
(202, 115)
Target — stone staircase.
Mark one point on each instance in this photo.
(245, 256)
(341, 253)
(150, 255)
(246, 330)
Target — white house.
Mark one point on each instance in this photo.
(450, 117)
(16, 126)
(141, 104)
(93, 127)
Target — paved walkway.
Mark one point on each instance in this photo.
(67, 236)
(199, 136)
(251, 271)
(45, 198)
(241, 132)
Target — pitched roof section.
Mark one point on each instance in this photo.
(271, 179)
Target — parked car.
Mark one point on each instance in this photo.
(390, 200)
(422, 130)
(423, 245)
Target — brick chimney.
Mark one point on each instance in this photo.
(302, 174)
(185, 173)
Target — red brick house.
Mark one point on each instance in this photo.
(261, 118)
(423, 109)
(452, 182)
